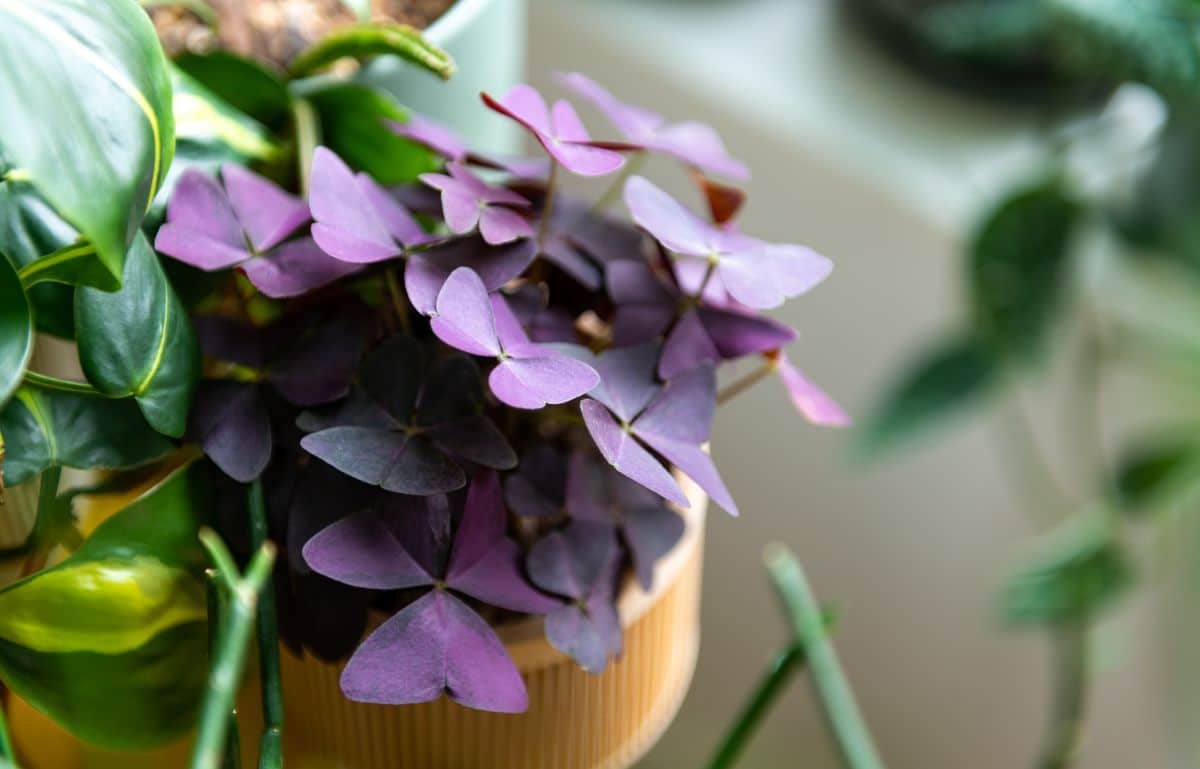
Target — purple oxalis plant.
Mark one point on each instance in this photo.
(472, 398)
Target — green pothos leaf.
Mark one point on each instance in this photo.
(137, 342)
(106, 642)
(16, 330)
(354, 125)
(366, 40)
(89, 122)
(46, 428)
(1070, 576)
(29, 229)
(942, 382)
(244, 84)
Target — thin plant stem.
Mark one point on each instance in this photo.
(1087, 426)
(218, 602)
(47, 382)
(47, 493)
(777, 676)
(1070, 697)
(548, 204)
(399, 303)
(6, 749)
(270, 751)
(1027, 463)
(230, 658)
(610, 195)
(308, 137)
(833, 690)
(739, 386)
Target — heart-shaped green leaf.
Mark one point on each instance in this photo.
(944, 381)
(107, 642)
(244, 84)
(1072, 574)
(1018, 268)
(29, 229)
(366, 40)
(138, 342)
(353, 125)
(16, 330)
(45, 428)
(89, 122)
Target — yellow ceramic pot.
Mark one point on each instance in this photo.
(575, 720)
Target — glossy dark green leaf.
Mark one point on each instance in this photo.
(106, 643)
(1019, 267)
(366, 40)
(352, 125)
(44, 428)
(16, 330)
(243, 84)
(29, 228)
(1152, 475)
(138, 342)
(1072, 575)
(941, 383)
(88, 121)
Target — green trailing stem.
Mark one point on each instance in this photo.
(1070, 697)
(6, 748)
(783, 666)
(270, 753)
(229, 660)
(218, 603)
(833, 690)
(779, 673)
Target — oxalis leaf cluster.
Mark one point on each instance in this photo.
(473, 397)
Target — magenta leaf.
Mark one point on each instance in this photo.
(695, 144)
(558, 130)
(363, 551)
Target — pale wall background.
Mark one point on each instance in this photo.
(882, 174)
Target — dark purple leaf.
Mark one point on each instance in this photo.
(539, 487)
(435, 645)
(363, 550)
(229, 421)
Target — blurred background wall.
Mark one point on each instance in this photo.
(883, 173)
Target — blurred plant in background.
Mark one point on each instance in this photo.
(1090, 267)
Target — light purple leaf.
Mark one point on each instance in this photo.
(464, 317)
(627, 455)
(347, 225)
(435, 645)
(668, 221)
(688, 346)
(426, 272)
(627, 379)
(809, 399)
(683, 410)
(532, 381)
(560, 132)
(266, 213)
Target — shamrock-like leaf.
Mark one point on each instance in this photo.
(695, 144)
(469, 202)
(757, 274)
(307, 367)
(408, 429)
(245, 224)
(580, 562)
(629, 414)
(648, 309)
(810, 400)
(528, 375)
(496, 266)
(445, 142)
(357, 221)
(436, 644)
(649, 528)
(559, 130)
